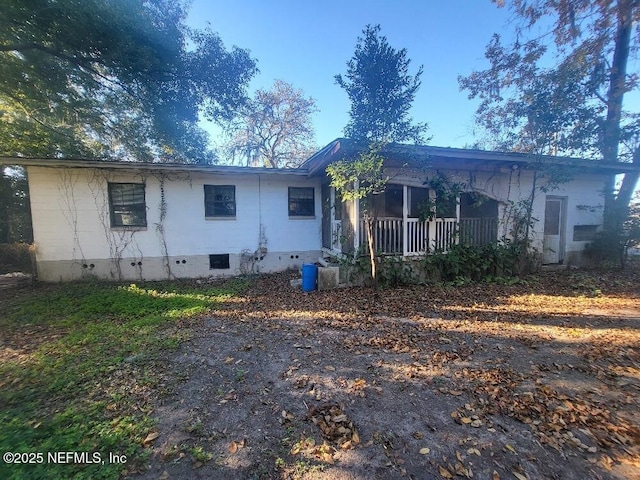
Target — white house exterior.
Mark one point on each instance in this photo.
(76, 234)
(132, 221)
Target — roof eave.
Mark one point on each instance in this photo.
(148, 166)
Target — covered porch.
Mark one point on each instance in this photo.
(410, 221)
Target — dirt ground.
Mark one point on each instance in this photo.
(538, 380)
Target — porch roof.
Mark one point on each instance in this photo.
(397, 154)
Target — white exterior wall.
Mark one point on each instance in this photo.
(584, 206)
(74, 237)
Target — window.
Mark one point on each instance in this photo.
(220, 200)
(219, 261)
(127, 205)
(301, 202)
(584, 233)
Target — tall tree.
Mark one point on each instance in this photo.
(381, 91)
(274, 129)
(564, 90)
(118, 78)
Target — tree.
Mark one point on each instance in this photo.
(381, 91)
(575, 105)
(361, 179)
(121, 78)
(15, 217)
(274, 129)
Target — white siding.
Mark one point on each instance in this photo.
(72, 227)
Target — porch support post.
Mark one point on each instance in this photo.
(356, 220)
(405, 216)
(457, 219)
(432, 223)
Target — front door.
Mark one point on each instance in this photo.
(553, 242)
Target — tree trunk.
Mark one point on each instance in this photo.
(615, 96)
(369, 223)
(627, 188)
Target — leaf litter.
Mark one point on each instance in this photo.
(535, 380)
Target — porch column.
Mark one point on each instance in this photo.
(405, 216)
(433, 232)
(356, 221)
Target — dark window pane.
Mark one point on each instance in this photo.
(301, 202)
(220, 200)
(127, 205)
(219, 261)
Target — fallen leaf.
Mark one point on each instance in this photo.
(509, 447)
(495, 475)
(519, 476)
(444, 472)
(425, 451)
(233, 448)
(150, 438)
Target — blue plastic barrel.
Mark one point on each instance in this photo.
(309, 277)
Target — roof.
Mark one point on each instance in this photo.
(442, 157)
(395, 154)
(149, 166)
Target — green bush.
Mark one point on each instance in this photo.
(460, 263)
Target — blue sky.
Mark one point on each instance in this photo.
(306, 43)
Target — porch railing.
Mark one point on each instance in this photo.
(387, 235)
(478, 231)
(429, 235)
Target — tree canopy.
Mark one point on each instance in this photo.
(273, 129)
(561, 86)
(120, 78)
(381, 91)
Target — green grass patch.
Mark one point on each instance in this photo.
(80, 366)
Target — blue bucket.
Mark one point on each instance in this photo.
(309, 277)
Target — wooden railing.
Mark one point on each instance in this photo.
(387, 235)
(446, 234)
(415, 237)
(478, 232)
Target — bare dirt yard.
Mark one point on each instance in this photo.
(535, 380)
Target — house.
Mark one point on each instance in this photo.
(152, 221)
